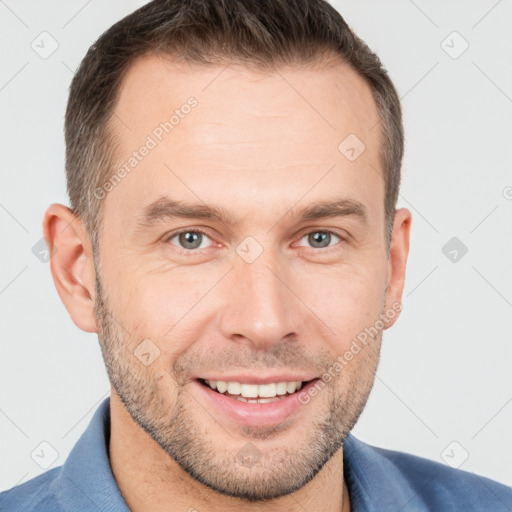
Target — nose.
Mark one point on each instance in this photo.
(260, 308)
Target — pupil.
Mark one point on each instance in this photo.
(190, 239)
(319, 237)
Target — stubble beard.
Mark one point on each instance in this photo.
(278, 471)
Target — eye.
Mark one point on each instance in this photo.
(321, 239)
(190, 239)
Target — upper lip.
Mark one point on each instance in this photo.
(258, 379)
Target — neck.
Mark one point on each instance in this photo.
(149, 479)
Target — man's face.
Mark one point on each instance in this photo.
(269, 296)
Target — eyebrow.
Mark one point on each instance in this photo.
(166, 208)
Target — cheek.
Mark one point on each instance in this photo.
(162, 307)
(172, 305)
(348, 300)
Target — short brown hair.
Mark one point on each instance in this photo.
(261, 33)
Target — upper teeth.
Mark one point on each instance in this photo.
(255, 390)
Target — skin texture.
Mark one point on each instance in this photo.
(261, 146)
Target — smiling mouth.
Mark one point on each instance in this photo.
(255, 393)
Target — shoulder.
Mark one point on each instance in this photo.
(423, 484)
(84, 482)
(443, 481)
(38, 494)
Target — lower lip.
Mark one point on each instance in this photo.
(254, 414)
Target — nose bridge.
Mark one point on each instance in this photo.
(260, 308)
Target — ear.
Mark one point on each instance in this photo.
(397, 261)
(71, 264)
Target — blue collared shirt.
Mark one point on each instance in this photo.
(378, 480)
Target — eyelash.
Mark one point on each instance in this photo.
(193, 252)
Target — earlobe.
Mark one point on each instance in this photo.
(397, 263)
(71, 263)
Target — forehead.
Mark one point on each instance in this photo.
(225, 134)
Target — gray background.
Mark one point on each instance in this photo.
(443, 388)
